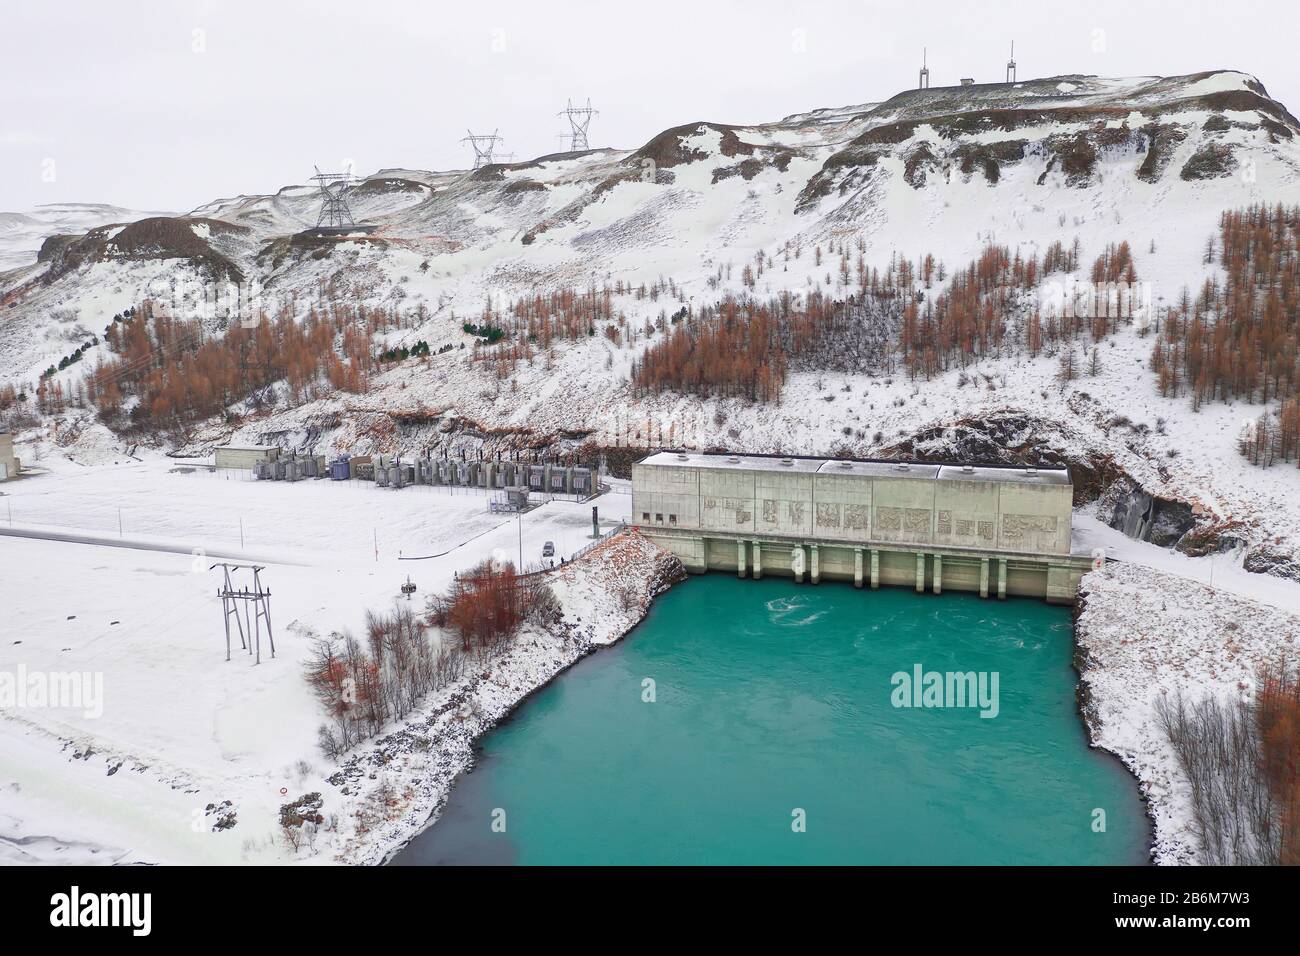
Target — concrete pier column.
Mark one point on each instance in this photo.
(758, 561)
(920, 572)
(938, 573)
(984, 577)
(857, 567)
(815, 566)
(799, 562)
(741, 559)
(875, 569)
(1002, 578)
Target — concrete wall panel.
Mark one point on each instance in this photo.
(902, 510)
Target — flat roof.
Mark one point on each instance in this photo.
(1020, 476)
(878, 469)
(736, 462)
(1014, 474)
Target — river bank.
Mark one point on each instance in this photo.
(388, 791)
(1142, 634)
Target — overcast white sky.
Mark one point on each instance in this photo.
(165, 105)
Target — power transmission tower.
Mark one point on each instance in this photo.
(1011, 64)
(579, 121)
(924, 83)
(484, 146)
(259, 597)
(334, 210)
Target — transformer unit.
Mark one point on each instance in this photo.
(505, 474)
(487, 471)
(557, 479)
(424, 473)
(580, 480)
(339, 470)
(381, 475)
(536, 475)
(264, 470)
(465, 472)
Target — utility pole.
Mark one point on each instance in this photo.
(260, 598)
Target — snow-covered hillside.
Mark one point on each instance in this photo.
(927, 171)
(1152, 161)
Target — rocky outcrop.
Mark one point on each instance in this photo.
(1212, 161)
(1267, 560)
(1145, 517)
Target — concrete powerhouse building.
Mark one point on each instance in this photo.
(1002, 530)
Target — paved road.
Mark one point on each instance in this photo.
(78, 537)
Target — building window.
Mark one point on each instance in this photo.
(645, 516)
(672, 519)
(659, 518)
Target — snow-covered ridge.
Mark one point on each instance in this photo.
(21, 234)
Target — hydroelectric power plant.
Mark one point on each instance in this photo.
(989, 528)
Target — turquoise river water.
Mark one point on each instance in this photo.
(770, 734)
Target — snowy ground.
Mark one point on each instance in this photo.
(1148, 633)
(180, 727)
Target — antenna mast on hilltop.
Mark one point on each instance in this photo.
(334, 210)
(484, 145)
(1011, 64)
(924, 83)
(579, 120)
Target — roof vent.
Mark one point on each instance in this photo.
(1031, 470)
(787, 462)
(733, 459)
(968, 469)
(902, 467)
(846, 464)
(682, 458)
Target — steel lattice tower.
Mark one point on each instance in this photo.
(579, 121)
(924, 82)
(484, 145)
(250, 638)
(334, 210)
(1011, 64)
